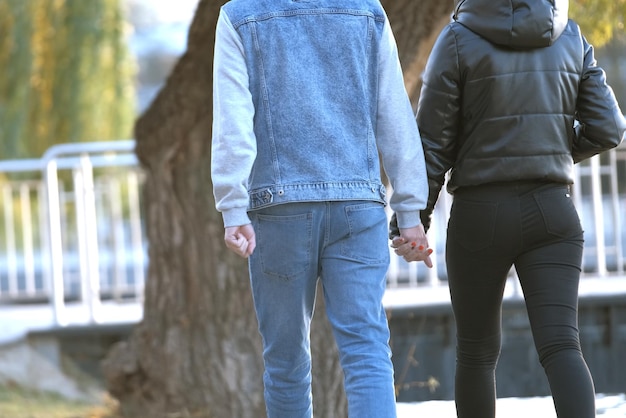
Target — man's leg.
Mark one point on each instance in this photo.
(355, 259)
(283, 271)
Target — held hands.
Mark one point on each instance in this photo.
(412, 245)
(240, 239)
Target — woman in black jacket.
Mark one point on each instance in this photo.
(512, 97)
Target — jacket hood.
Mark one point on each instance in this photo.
(514, 23)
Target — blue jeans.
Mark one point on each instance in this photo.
(344, 244)
(534, 227)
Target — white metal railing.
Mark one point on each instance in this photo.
(71, 227)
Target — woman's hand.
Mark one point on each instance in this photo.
(412, 245)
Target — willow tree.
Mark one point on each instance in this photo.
(196, 353)
(599, 20)
(67, 74)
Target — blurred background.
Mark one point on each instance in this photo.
(73, 253)
(157, 38)
(67, 82)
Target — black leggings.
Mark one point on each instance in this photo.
(535, 227)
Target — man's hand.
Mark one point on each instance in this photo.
(412, 245)
(240, 239)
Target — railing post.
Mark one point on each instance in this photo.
(136, 234)
(27, 239)
(615, 206)
(88, 201)
(56, 243)
(9, 226)
(598, 212)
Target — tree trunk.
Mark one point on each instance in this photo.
(416, 25)
(197, 352)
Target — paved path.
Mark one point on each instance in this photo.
(17, 320)
(607, 406)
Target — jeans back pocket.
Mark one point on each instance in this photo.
(559, 214)
(284, 243)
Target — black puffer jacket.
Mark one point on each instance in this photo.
(504, 86)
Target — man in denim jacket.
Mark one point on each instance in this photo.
(307, 93)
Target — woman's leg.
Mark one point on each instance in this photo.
(549, 279)
(482, 236)
(549, 272)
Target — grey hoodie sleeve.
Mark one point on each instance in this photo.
(233, 148)
(398, 138)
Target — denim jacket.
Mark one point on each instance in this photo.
(296, 120)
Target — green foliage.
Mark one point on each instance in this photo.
(599, 20)
(67, 74)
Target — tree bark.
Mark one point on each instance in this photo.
(197, 352)
(416, 25)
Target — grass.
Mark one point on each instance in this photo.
(16, 402)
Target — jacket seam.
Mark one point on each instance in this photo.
(309, 12)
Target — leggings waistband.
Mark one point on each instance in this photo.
(507, 189)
